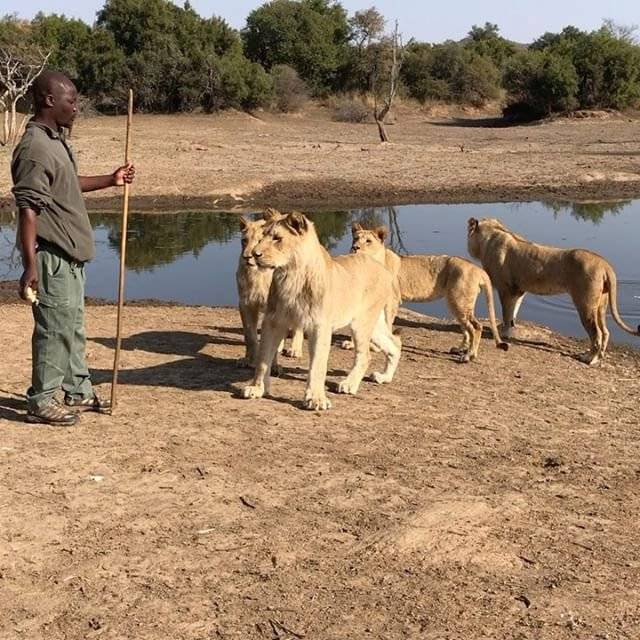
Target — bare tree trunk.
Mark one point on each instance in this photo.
(382, 131)
(5, 128)
(397, 58)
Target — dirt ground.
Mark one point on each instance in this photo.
(235, 160)
(494, 500)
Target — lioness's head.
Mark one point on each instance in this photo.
(282, 240)
(252, 232)
(369, 241)
(479, 232)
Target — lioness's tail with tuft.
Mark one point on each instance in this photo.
(613, 302)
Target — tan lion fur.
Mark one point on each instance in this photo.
(425, 278)
(321, 294)
(253, 290)
(517, 266)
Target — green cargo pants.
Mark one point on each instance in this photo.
(58, 343)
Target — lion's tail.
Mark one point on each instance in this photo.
(488, 293)
(612, 281)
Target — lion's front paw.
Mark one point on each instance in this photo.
(316, 401)
(245, 363)
(253, 391)
(348, 386)
(292, 353)
(347, 344)
(380, 378)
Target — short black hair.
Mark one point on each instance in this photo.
(46, 84)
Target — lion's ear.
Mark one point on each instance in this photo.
(297, 222)
(271, 214)
(244, 223)
(381, 232)
(472, 226)
(355, 227)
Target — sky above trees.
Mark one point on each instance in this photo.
(423, 20)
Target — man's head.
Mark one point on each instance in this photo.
(55, 98)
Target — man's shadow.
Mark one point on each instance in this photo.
(12, 409)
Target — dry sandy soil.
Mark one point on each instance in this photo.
(492, 500)
(235, 160)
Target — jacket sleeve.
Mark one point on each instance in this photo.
(32, 184)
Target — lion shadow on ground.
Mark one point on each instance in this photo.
(530, 343)
(196, 371)
(176, 343)
(201, 372)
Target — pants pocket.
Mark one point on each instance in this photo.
(53, 280)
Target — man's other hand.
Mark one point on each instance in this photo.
(28, 279)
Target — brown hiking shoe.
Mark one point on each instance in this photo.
(88, 404)
(54, 414)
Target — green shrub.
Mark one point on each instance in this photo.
(542, 80)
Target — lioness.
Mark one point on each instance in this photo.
(321, 294)
(425, 278)
(517, 266)
(253, 289)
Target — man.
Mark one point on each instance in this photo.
(56, 240)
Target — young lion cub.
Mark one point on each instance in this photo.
(253, 290)
(426, 278)
(321, 294)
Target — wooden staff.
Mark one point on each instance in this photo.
(123, 255)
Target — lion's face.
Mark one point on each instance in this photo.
(478, 232)
(369, 241)
(252, 233)
(280, 241)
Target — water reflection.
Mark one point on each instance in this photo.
(591, 211)
(191, 257)
(155, 240)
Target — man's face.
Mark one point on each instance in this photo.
(64, 104)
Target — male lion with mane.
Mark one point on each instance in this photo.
(518, 266)
(321, 294)
(426, 277)
(253, 290)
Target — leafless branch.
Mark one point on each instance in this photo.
(17, 74)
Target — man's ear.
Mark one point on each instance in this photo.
(244, 223)
(271, 214)
(355, 227)
(472, 226)
(297, 223)
(381, 232)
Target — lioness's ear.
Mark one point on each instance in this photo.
(271, 214)
(297, 223)
(355, 227)
(472, 226)
(381, 232)
(244, 223)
